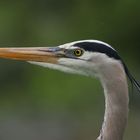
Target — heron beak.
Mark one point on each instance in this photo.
(37, 54)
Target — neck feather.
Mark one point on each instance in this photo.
(115, 87)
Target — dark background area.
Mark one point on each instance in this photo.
(42, 104)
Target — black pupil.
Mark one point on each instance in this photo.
(78, 52)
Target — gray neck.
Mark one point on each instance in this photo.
(116, 104)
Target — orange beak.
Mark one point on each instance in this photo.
(37, 54)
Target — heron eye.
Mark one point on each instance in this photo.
(78, 52)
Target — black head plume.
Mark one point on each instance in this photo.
(131, 78)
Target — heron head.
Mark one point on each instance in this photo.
(86, 57)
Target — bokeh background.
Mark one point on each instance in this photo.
(42, 104)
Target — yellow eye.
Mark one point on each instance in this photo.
(78, 52)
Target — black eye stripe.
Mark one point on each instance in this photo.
(98, 47)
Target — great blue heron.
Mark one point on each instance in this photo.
(90, 58)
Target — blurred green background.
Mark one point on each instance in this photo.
(42, 104)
